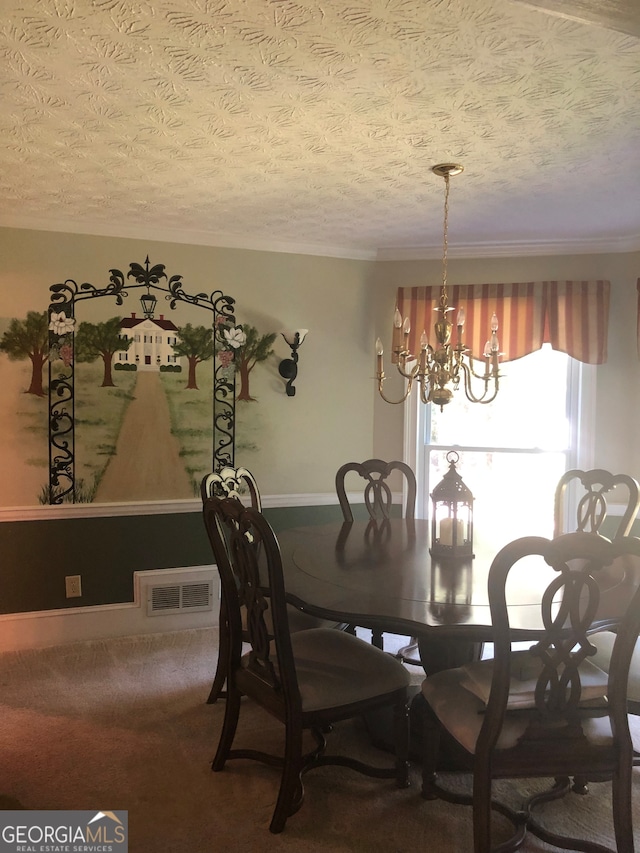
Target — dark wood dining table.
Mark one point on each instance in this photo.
(380, 575)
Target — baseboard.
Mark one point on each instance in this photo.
(43, 628)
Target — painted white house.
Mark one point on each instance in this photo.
(153, 341)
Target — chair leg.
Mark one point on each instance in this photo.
(217, 688)
(430, 747)
(401, 737)
(376, 639)
(231, 714)
(623, 809)
(481, 812)
(290, 782)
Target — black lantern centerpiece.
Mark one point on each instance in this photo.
(452, 515)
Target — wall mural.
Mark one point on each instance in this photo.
(149, 354)
(139, 404)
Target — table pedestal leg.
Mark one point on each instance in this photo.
(436, 654)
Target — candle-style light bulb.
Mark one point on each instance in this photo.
(397, 331)
(460, 324)
(494, 322)
(406, 328)
(424, 340)
(379, 356)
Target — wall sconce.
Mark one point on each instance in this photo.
(288, 367)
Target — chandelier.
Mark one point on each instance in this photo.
(440, 368)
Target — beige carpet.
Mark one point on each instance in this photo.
(123, 724)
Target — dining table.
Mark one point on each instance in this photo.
(381, 575)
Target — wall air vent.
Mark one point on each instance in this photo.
(179, 598)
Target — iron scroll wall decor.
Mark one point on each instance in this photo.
(64, 297)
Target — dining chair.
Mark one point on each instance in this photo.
(240, 483)
(593, 488)
(592, 512)
(308, 680)
(378, 496)
(378, 499)
(546, 711)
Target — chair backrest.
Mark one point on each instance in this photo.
(594, 485)
(231, 482)
(557, 681)
(378, 496)
(248, 559)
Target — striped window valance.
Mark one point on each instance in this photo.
(572, 316)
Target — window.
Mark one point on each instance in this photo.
(513, 450)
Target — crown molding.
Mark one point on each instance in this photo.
(507, 249)
(188, 237)
(502, 249)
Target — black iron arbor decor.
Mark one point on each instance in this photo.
(62, 320)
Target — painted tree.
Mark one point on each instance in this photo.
(101, 340)
(196, 345)
(29, 338)
(256, 348)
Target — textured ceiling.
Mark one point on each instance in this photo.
(315, 123)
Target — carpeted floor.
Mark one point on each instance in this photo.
(123, 724)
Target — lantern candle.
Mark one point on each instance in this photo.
(446, 531)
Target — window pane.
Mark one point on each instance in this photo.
(512, 492)
(529, 411)
(523, 439)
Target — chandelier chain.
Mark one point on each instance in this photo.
(444, 301)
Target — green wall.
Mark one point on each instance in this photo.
(36, 555)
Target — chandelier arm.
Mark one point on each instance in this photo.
(424, 382)
(487, 373)
(411, 374)
(395, 402)
(473, 398)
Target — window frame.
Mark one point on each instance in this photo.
(580, 408)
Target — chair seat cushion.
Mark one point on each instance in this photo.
(525, 671)
(604, 642)
(298, 620)
(461, 712)
(335, 669)
(301, 621)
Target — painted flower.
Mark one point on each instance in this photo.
(61, 324)
(66, 354)
(235, 337)
(226, 357)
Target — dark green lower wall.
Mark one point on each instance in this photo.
(37, 555)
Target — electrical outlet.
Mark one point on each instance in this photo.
(73, 586)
